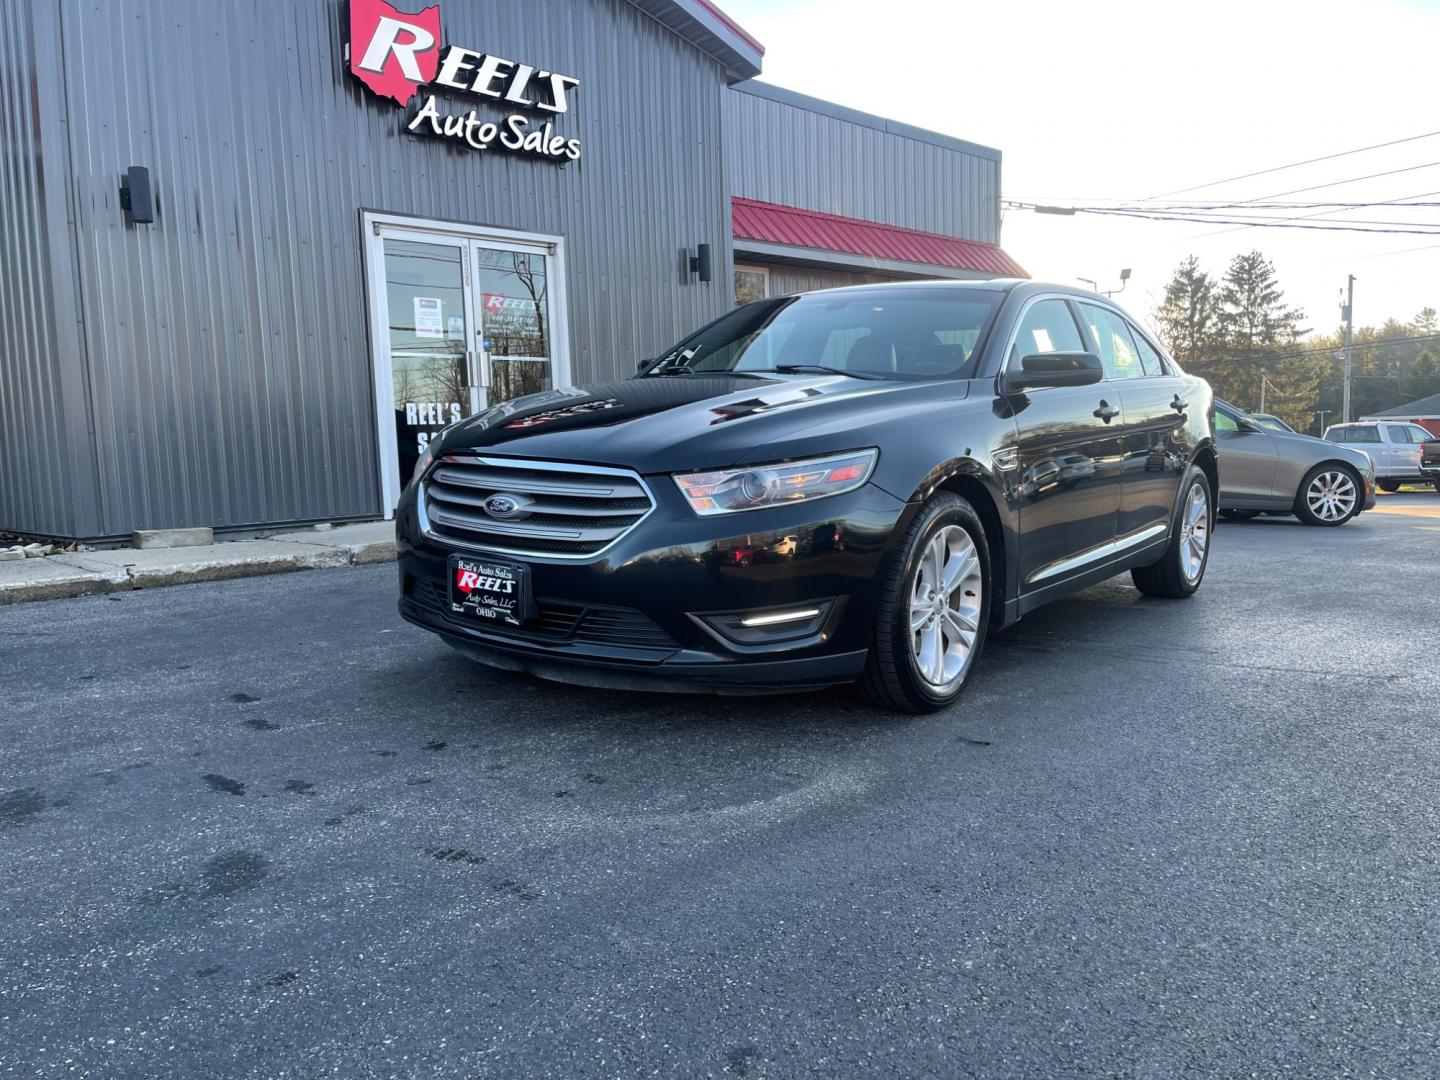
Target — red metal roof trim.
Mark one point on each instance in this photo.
(735, 27)
(772, 223)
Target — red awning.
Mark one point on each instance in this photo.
(772, 223)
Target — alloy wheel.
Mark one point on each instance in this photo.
(1331, 495)
(1194, 533)
(945, 603)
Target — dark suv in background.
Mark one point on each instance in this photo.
(846, 485)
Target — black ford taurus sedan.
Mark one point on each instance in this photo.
(850, 485)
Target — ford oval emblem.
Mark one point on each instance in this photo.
(501, 506)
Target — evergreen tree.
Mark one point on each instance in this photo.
(1256, 324)
(1189, 316)
(1253, 312)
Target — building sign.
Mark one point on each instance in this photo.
(399, 55)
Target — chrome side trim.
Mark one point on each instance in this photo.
(1096, 554)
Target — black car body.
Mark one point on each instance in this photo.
(627, 583)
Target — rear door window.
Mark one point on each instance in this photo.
(1149, 359)
(1363, 433)
(1110, 338)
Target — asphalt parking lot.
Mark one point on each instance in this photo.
(263, 828)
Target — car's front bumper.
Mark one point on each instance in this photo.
(636, 615)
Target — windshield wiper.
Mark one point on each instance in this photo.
(685, 369)
(822, 369)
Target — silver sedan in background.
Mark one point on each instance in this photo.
(1276, 472)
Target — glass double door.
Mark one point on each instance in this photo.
(468, 323)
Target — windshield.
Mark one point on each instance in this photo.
(1274, 423)
(900, 333)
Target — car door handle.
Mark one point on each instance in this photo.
(1179, 404)
(1106, 411)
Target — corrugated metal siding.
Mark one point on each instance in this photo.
(231, 369)
(46, 472)
(778, 153)
(786, 279)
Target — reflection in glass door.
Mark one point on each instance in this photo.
(514, 322)
(429, 327)
(460, 320)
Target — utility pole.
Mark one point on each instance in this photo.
(1348, 310)
(1262, 389)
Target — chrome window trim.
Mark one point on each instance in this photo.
(1020, 321)
(536, 466)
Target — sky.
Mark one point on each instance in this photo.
(1129, 101)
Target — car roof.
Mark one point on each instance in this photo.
(1002, 285)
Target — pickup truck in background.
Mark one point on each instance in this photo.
(1399, 450)
(1430, 460)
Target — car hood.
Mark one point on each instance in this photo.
(676, 423)
(1318, 448)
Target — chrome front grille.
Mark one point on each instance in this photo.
(559, 511)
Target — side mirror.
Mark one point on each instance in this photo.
(1054, 369)
(1248, 425)
(643, 364)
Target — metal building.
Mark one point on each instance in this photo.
(254, 252)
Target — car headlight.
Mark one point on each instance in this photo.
(755, 487)
(427, 458)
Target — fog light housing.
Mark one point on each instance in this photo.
(760, 627)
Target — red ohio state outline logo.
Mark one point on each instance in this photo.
(392, 52)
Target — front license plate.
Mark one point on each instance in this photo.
(489, 590)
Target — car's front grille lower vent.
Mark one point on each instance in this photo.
(557, 621)
(532, 507)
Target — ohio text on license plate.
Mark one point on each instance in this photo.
(489, 590)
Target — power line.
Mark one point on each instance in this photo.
(1399, 251)
(1283, 223)
(1295, 165)
(1212, 362)
(1324, 213)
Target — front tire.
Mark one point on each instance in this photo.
(1178, 572)
(935, 592)
(1388, 486)
(1329, 495)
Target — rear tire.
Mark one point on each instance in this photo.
(1178, 572)
(1387, 486)
(1329, 495)
(903, 673)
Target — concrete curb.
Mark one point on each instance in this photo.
(83, 573)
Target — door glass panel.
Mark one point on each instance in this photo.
(1046, 328)
(430, 380)
(514, 305)
(1111, 338)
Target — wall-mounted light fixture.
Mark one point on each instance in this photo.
(700, 264)
(136, 197)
